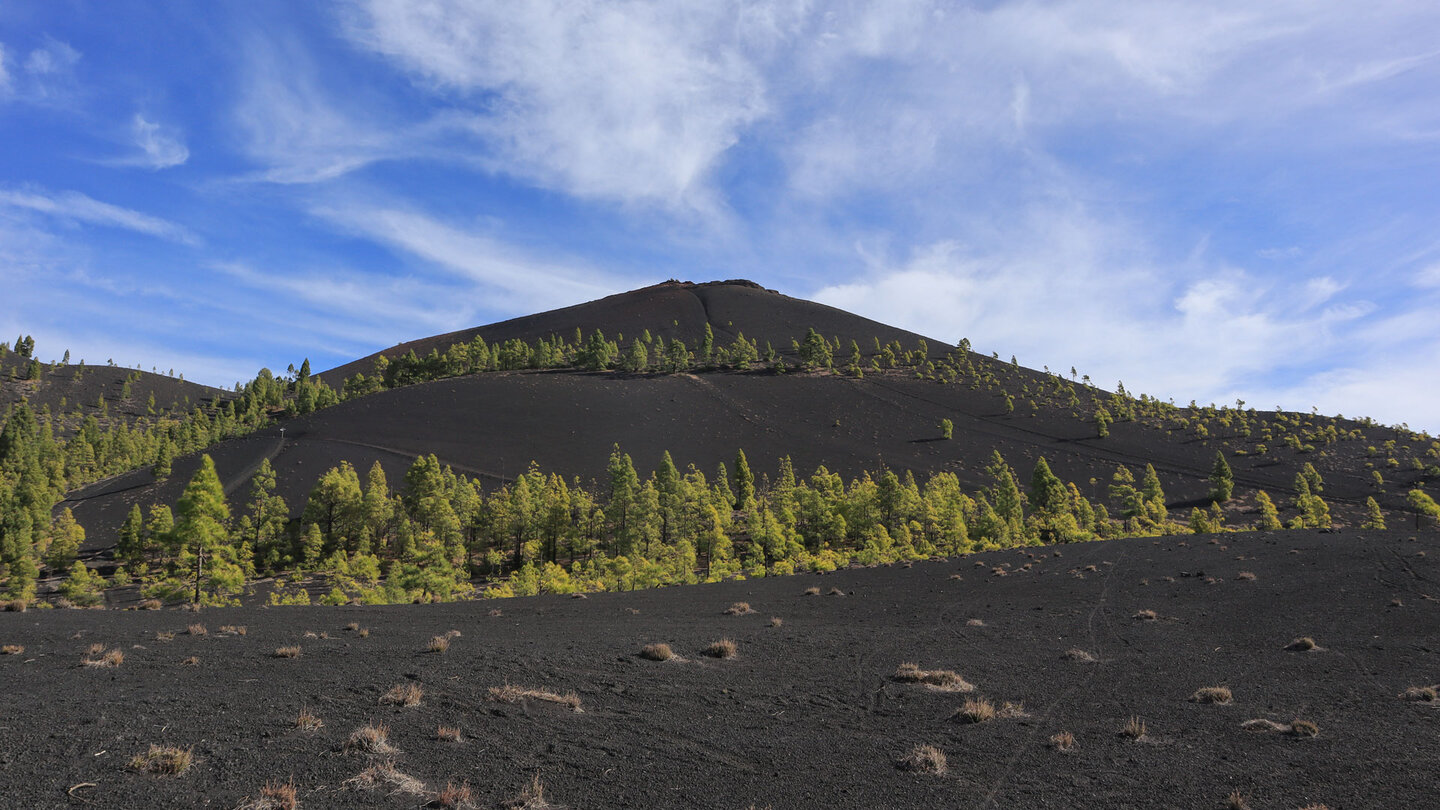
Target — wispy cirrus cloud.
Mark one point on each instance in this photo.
(161, 147)
(72, 206)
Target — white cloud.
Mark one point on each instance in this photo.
(512, 279)
(6, 83)
(631, 101)
(49, 72)
(76, 207)
(160, 147)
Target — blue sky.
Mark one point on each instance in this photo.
(1210, 201)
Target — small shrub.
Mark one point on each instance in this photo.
(307, 721)
(1211, 694)
(405, 694)
(163, 760)
(364, 632)
(448, 734)
(724, 648)
(274, 796)
(510, 693)
(1133, 729)
(776, 621)
(288, 652)
(196, 629)
(386, 775)
(106, 660)
(1147, 615)
(811, 591)
(924, 759)
(1063, 741)
(531, 798)
(453, 796)
(1235, 801)
(233, 630)
(352, 626)
(192, 661)
(12, 649)
(942, 679)
(1303, 644)
(151, 604)
(164, 635)
(1425, 694)
(657, 652)
(975, 711)
(17, 605)
(1247, 577)
(371, 739)
(739, 609)
(1304, 728)
(439, 644)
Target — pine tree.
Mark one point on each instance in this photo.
(707, 345)
(947, 429)
(1422, 505)
(202, 534)
(64, 540)
(744, 487)
(1374, 518)
(1222, 479)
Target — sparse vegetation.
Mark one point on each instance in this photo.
(924, 759)
(405, 694)
(1062, 741)
(103, 658)
(811, 591)
(1133, 729)
(657, 652)
(1236, 801)
(195, 630)
(1423, 694)
(448, 734)
(12, 649)
(1303, 644)
(439, 644)
(292, 651)
(942, 679)
(975, 710)
(739, 609)
(1147, 615)
(386, 775)
(274, 796)
(1304, 728)
(457, 797)
(163, 760)
(724, 648)
(371, 739)
(1245, 576)
(1211, 694)
(510, 693)
(1076, 654)
(307, 721)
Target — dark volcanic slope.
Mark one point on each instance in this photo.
(66, 388)
(674, 309)
(806, 715)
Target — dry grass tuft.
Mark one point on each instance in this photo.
(453, 796)
(439, 644)
(1211, 694)
(1236, 801)
(310, 634)
(17, 605)
(509, 693)
(1263, 725)
(151, 604)
(531, 798)
(448, 734)
(94, 649)
(739, 609)
(495, 613)
(924, 759)
(164, 635)
(974, 622)
(292, 651)
(233, 630)
(196, 629)
(371, 739)
(776, 621)
(364, 632)
(1147, 615)
(386, 775)
(1133, 729)
(1303, 644)
(1077, 654)
(1063, 741)
(306, 720)
(657, 652)
(163, 760)
(811, 591)
(274, 796)
(1424, 694)
(1247, 577)
(452, 633)
(975, 711)
(352, 626)
(1304, 728)
(835, 592)
(405, 694)
(105, 659)
(12, 649)
(941, 679)
(724, 648)
(192, 661)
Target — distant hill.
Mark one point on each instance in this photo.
(491, 426)
(76, 389)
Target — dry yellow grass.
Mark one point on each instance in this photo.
(405, 694)
(17, 606)
(724, 648)
(292, 651)
(531, 798)
(1133, 729)
(1304, 728)
(307, 721)
(1062, 741)
(835, 592)
(975, 711)
(453, 796)
(233, 630)
(448, 734)
(924, 759)
(364, 632)
(776, 621)
(739, 609)
(274, 796)
(1263, 725)
(12, 649)
(1303, 644)
(370, 739)
(439, 644)
(1245, 576)
(352, 626)
(1424, 694)
(108, 659)
(974, 622)
(1236, 801)
(151, 604)
(944, 680)
(509, 693)
(196, 629)
(192, 661)
(163, 760)
(1147, 615)
(386, 775)
(657, 652)
(1211, 694)
(164, 635)
(811, 591)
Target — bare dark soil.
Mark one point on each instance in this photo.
(806, 714)
(68, 388)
